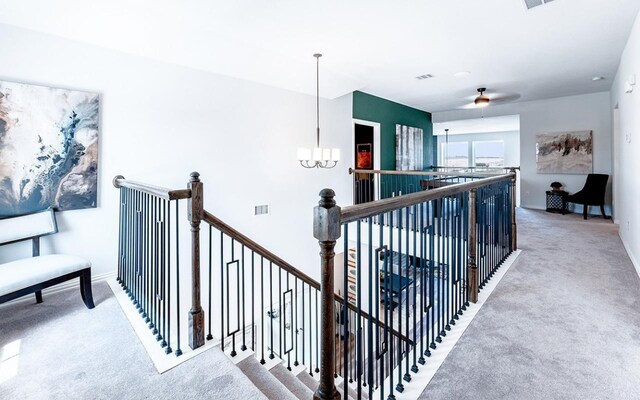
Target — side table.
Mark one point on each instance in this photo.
(556, 201)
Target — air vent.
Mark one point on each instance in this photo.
(423, 77)
(535, 3)
(261, 210)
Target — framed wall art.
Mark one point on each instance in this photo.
(48, 148)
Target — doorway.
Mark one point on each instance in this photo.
(364, 133)
(364, 150)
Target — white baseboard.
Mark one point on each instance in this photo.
(630, 254)
(71, 284)
(163, 362)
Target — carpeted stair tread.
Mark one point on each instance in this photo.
(291, 382)
(352, 392)
(308, 380)
(266, 382)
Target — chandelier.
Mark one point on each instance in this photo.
(318, 157)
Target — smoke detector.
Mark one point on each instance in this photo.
(529, 4)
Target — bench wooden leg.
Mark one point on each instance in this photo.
(85, 288)
(39, 296)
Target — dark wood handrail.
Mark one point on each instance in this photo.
(423, 173)
(164, 193)
(374, 208)
(252, 245)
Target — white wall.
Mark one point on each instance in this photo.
(627, 146)
(572, 113)
(159, 122)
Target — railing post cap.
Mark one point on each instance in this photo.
(195, 176)
(115, 180)
(327, 198)
(326, 217)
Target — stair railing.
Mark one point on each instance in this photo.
(253, 299)
(252, 279)
(412, 262)
(149, 257)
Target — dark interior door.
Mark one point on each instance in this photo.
(364, 151)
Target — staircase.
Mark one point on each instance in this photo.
(409, 265)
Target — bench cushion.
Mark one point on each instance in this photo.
(27, 272)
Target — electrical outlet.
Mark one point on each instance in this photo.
(627, 137)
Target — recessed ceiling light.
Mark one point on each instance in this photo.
(597, 78)
(462, 73)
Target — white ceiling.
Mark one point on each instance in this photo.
(377, 46)
(507, 123)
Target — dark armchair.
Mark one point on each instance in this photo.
(592, 194)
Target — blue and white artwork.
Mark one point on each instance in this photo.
(48, 148)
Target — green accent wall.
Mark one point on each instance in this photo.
(388, 113)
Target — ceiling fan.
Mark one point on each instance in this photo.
(487, 97)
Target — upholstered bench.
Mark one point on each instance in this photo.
(31, 275)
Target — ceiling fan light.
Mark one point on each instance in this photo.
(481, 101)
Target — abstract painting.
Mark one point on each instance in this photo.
(363, 160)
(564, 152)
(48, 148)
(409, 150)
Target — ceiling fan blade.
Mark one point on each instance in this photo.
(469, 106)
(499, 98)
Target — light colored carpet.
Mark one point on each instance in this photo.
(291, 381)
(564, 322)
(267, 383)
(69, 352)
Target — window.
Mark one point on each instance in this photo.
(488, 153)
(457, 155)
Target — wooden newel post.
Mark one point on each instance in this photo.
(326, 228)
(472, 268)
(195, 213)
(514, 226)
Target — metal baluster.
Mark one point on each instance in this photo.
(358, 355)
(414, 367)
(168, 349)
(262, 360)
(295, 319)
(222, 335)
(178, 350)
(389, 305)
(156, 271)
(341, 321)
(284, 321)
(372, 279)
(304, 328)
(432, 283)
(311, 335)
(163, 277)
(450, 263)
(233, 334)
(280, 315)
(345, 328)
(210, 309)
(317, 339)
(399, 386)
(253, 306)
(271, 356)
